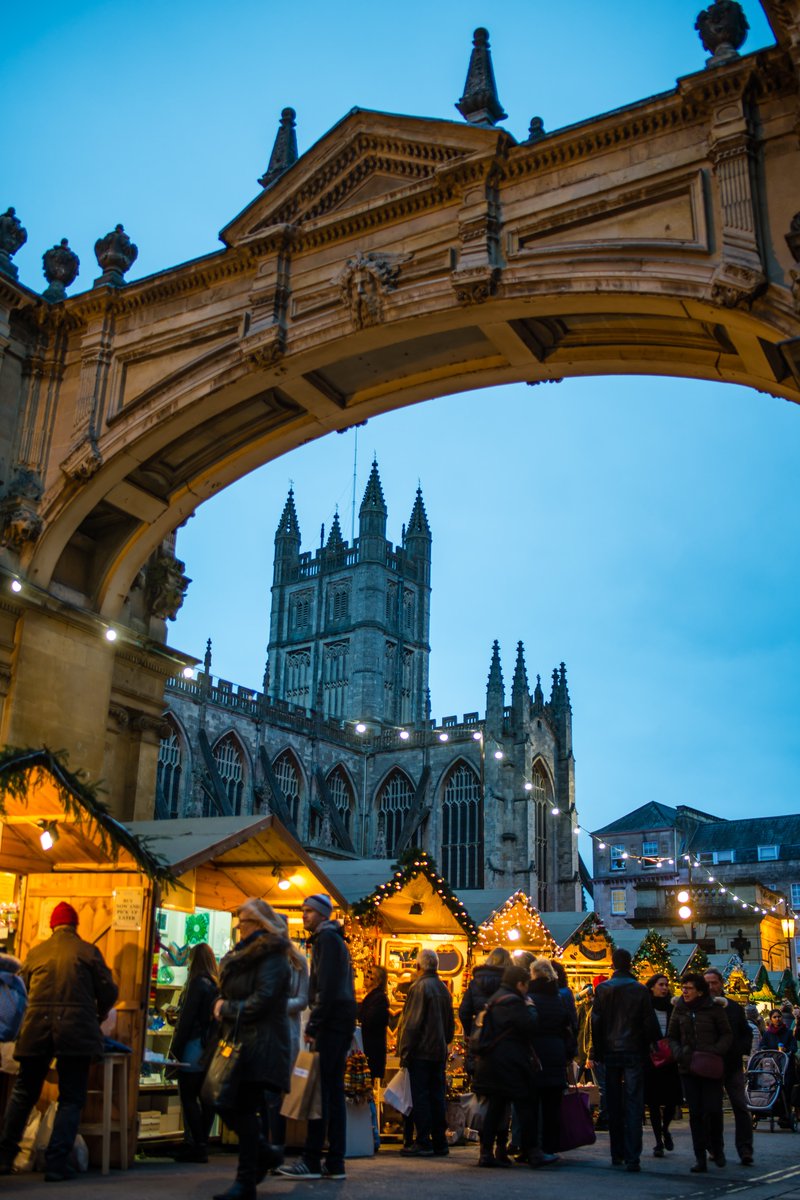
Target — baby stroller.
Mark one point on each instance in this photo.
(768, 1089)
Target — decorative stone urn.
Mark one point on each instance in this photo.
(723, 28)
(60, 270)
(12, 236)
(115, 254)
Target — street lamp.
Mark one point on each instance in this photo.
(787, 925)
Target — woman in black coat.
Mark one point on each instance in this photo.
(254, 981)
(486, 979)
(192, 1035)
(699, 1022)
(373, 1016)
(662, 1085)
(504, 1069)
(554, 1043)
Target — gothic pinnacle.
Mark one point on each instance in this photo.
(335, 540)
(495, 669)
(418, 521)
(519, 686)
(288, 526)
(373, 493)
(284, 152)
(480, 104)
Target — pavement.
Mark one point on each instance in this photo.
(388, 1176)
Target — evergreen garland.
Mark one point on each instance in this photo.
(19, 768)
(654, 951)
(410, 865)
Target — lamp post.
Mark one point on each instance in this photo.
(787, 925)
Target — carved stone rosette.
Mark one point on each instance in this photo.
(166, 586)
(365, 280)
(19, 516)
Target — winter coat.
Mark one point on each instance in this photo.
(196, 1015)
(662, 1085)
(623, 1021)
(333, 1001)
(742, 1036)
(13, 997)
(782, 1036)
(298, 1003)
(254, 980)
(373, 1013)
(483, 985)
(507, 1068)
(704, 1027)
(552, 1034)
(427, 1025)
(70, 991)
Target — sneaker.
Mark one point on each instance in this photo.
(332, 1173)
(299, 1170)
(547, 1159)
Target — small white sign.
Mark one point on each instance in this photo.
(128, 906)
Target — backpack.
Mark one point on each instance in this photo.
(13, 1002)
(482, 1038)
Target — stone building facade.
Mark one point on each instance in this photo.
(340, 743)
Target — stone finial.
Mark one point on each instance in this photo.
(207, 658)
(723, 28)
(284, 152)
(12, 236)
(115, 254)
(60, 270)
(480, 104)
(538, 696)
(535, 131)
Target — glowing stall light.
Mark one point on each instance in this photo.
(284, 885)
(513, 935)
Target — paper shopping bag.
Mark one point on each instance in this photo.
(303, 1101)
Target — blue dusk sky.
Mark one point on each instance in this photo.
(646, 531)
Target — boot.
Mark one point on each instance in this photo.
(501, 1153)
(269, 1158)
(487, 1159)
(700, 1167)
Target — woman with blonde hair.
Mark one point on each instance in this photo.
(255, 978)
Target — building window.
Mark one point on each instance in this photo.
(796, 896)
(767, 853)
(462, 829)
(297, 677)
(301, 610)
(335, 678)
(618, 858)
(288, 776)
(408, 609)
(541, 797)
(391, 604)
(394, 803)
(723, 856)
(230, 764)
(618, 905)
(339, 603)
(649, 855)
(341, 794)
(169, 773)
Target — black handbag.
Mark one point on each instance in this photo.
(221, 1085)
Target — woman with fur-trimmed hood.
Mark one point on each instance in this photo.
(699, 1022)
(254, 981)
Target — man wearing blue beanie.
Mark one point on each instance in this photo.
(330, 1032)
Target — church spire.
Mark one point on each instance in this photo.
(519, 687)
(287, 542)
(288, 526)
(418, 521)
(417, 538)
(373, 493)
(372, 519)
(538, 696)
(284, 152)
(480, 104)
(335, 543)
(495, 694)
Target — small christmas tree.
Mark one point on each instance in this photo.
(698, 962)
(653, 958)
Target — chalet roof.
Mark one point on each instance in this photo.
(357, 878)
(565, 925)
(481, 903)
(649, 816)
(745, 836)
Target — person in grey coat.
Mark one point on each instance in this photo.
(254, 980)
(70, 991)
(426, 1031)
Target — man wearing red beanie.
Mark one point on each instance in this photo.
(70, 991)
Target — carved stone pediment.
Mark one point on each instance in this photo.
(368, 158)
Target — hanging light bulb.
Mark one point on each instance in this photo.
(683, 897)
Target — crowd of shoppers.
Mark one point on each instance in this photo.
(525, 1042)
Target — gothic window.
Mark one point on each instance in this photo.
(288, 775)
(169, 773)
(394, 803)
(335, 678)
(298, 677)
(230, 764)
(301, 610)
(341, 792)
(406, 688)
(408, 609)
(389, 659)
(391, 603)
(542, 803)
(462, 829)
(339, 602)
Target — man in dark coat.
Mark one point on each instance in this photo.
(623, 1027)
(734, 1072)
(70, 991)
(426, 1031)
(330, 1030)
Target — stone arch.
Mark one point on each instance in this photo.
(461, 804)
(230, 755)
(394, 797)
(292, 779)
(173, 769)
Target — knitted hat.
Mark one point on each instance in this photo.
(320, 903)
(63, 914)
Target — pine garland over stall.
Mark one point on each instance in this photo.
(409, 866)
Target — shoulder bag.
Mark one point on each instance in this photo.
(706, 1065)
(661, 1053)
(221, 1085)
